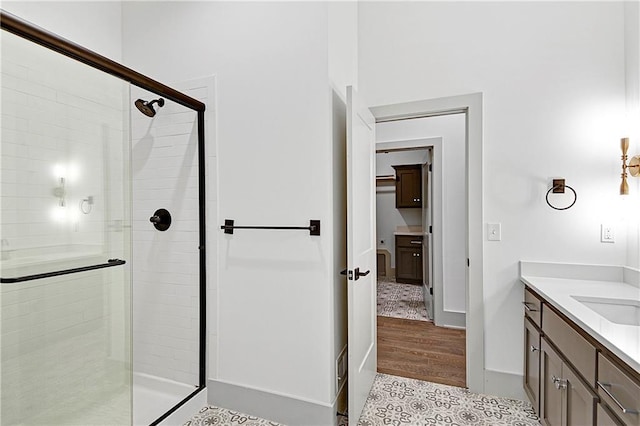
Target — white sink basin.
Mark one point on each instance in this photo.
(619, 311)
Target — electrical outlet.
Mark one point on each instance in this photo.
(607, 233)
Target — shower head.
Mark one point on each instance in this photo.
(147, 107)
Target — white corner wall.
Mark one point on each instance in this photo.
(632, 78)
(274, 307)
(552, 75)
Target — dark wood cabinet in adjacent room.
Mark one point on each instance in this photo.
(408, 186)
(409, 259)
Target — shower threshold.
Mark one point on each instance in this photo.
(153, 396)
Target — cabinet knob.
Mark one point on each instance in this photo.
(560, 384)
(417, 254)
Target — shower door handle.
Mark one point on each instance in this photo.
(108, 264)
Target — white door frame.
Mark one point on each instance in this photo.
(472, 106)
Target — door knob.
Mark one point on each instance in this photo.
(359, 274)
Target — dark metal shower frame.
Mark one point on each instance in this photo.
(26, 30)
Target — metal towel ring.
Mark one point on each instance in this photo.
(575, 197)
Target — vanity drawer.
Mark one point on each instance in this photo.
(605, 418)
(532, 306)
(618, 391)
(409, 241)
(573, 346)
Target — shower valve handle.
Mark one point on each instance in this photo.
(161, 219)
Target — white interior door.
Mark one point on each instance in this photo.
(361, 252)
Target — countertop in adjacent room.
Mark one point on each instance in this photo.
(409, 230)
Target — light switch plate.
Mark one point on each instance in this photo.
(494, 232)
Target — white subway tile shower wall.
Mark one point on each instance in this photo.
(65, 341)
(166, 264)
(55, 124)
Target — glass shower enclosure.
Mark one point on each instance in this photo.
(73, 186)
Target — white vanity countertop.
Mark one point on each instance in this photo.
(622, 340)
(409, 230)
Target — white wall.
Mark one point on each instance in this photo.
(632, 78)
(343, 71)
(96, 25)
(388, 217)
(552, 75)
(275, 316)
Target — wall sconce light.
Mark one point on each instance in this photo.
(633, 167)
(60, 192)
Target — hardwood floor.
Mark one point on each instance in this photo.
(420, 350)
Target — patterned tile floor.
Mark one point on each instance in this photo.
(399, 300)
(398, 401)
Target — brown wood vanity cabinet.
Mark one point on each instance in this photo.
(570, 378)
(564, 397)
(619, 390)
(567, 374)
(408, 186)
(532, 336)
(409, 259)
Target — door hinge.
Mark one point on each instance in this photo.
(430, 229)
(430, 168)
(468, 264)
(431, 290)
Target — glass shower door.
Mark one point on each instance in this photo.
(65, 293)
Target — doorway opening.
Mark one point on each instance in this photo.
(469, 162)
(421, 227)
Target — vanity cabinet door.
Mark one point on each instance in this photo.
(551, 396)
(532, 364)
(579, 399)
(409, 259)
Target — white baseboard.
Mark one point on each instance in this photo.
(508, 385)
(452, 319)
(279, 408)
